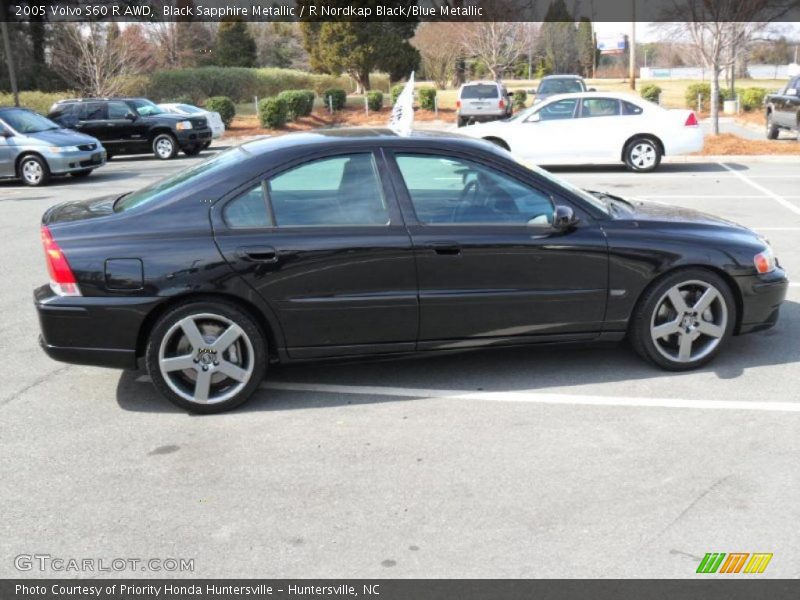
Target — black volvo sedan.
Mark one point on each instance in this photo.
(362, 242)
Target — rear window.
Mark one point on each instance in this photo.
(181, 181)
(561, 86)
(479, 92)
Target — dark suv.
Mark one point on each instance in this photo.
(133, 126)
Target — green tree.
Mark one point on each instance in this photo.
(558, 39)
(359, 48)
(235, 47)
(586, 46)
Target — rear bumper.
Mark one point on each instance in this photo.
(100, 331)
(762, 296)
(483, 117)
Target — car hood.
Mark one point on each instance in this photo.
(80, 210)
(61, 137)
(649, 211)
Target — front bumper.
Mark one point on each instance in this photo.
(88, 330)
(61, 163)
(762, 296)
(188, 138)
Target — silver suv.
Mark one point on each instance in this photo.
(482, 101)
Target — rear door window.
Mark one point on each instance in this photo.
(332, 191)
(600, 107)
(93, 111)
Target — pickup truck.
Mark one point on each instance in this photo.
(783, 109)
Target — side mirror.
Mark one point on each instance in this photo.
(592, 90)
(131, 116)
(564, 218)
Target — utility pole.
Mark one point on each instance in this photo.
(632, 48)
(12, 76)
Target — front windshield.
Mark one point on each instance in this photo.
(145, 108)
(25, 121)
(176, 183)
(560, 86)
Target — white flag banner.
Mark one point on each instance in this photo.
(402, 119)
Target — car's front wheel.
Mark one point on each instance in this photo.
(165, 146)
(206, 357)
(33, 170)
(642, 154)
(683, 321)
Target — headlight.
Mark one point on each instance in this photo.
(765, 261)
(183, 125)
(63, 149)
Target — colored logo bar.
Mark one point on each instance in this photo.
(736, 562)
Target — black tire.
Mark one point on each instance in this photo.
(109, 156)
(649, 311)
(497, 142)
(81, 174)
(642, 155)
(462, 121)
(33, 170)
(210, 317)
(206, 145)
(165, 146)
(192, 150)
(772, 130)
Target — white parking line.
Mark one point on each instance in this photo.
(757, 186)
(536, 397)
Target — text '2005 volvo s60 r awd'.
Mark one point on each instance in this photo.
(360, 242)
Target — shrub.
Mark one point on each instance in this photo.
(296, 102)
(753, 98)
(375, 100)
(519, 98)
(273, 112)
(224, 106)
(427, 98)
(335, 97)
(652, 92)
(692, 90)
(396, 91)
(37, 101)
(309, 96)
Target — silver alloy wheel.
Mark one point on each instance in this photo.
(689, 321)
(206, 358)
(32, 171)
(164, 147)
(643, 155)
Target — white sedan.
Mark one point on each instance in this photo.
(595, 128)
(214, 119)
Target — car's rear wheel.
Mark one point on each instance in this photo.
(82, 173)
(33, 170)
(684, 320)
(642, 154)
(206, 357)
(772, 130)
(164, 146)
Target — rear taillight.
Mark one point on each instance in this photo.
(501, 104)
(691, 120)
(62, 280)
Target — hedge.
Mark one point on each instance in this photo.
(651, 92)
(519, 98)
(37, 101)
(297, 102)
(375, 100)
(753, 98)
(273, 112)
(334, 97)
(427, 98)
(224, 106)
(396, 91)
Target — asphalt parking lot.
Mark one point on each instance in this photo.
(505, 463)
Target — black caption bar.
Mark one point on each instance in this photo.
(402, 10)
(396, 589)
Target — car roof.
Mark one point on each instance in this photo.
(616, 95)
(100, 99)
(561, 77)
(365, 135)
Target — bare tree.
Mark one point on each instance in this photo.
(498, 45)
(439, 49)
(94, 58)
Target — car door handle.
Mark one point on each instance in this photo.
(446, 248)
(262, 254)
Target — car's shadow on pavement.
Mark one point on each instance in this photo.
(664, 168)
(500, 369)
